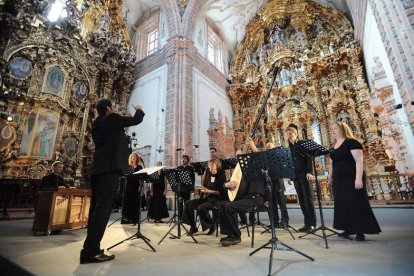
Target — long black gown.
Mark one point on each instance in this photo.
(158, 206)
(131, 202)
(352, 211)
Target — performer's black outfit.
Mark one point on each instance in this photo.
(131, 202)
(304, 190)
(51, 182)
(110, 161)
(254, 196)
(157, 209)
(185, 192)
(204, 204)
(352, 211)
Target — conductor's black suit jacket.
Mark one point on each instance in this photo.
(111, 144)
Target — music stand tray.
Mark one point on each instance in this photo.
(177, 179)
(139, 176)
(312, 149)
(275, 164)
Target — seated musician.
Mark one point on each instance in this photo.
(54, 180)
(254, 196)
(211, 186)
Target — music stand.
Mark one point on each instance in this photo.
(228, 164)
(178, 178)
(256, 166)
(311, 149)
(139, 176)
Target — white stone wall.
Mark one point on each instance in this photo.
(207, 95)
(374, 47)
(149, 91)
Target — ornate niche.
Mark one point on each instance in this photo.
(320, 77)
(52, 74)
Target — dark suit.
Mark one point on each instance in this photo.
(51, 182)
(186, 193)
(110, 160)
(304, 190)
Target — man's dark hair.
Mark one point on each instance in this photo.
(212, 148)
(102, 105)
(186, 157)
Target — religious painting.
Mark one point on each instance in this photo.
(71, 147)
(7, 135)
(54, 81)
(20, 68)
(80, 90)
(39, 135)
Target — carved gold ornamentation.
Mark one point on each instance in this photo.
(321, 77)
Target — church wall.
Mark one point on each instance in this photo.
(395, 120)
(149, 92)
(207, 95)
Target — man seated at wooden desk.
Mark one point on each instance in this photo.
(54, 180)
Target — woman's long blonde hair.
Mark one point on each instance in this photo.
(346, 130)
(130, 159)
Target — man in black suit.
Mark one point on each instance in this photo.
(110, 160)
(303, 171)
(54, 180)
(186, 193)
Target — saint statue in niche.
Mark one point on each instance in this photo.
(285, 76)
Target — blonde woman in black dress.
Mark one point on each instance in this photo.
(352, 211)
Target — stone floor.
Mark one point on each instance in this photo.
(390, 253)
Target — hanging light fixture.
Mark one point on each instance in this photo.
(182, 4)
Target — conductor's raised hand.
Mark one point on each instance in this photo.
(136, 106)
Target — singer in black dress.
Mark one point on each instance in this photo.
(131, 202)
(352, 211)
(157, 209)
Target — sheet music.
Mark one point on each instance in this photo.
(150, 170)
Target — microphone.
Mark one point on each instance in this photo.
(179, 149)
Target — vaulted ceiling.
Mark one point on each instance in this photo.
(229, 16)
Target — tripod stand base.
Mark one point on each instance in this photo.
(272, 245)
(135, 236)
(285, 227)
(324, 236)
(179, 224)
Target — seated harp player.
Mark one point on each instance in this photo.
(211, 186)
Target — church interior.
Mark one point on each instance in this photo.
(207, 74)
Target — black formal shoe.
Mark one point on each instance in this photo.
(344, 234)
(97, 259)
(303, 229)
(193, 230)
(360, 237)
(230, 241)
(310, 229)
(211, 230)
(125, 221)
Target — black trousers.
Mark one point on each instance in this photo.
(185, 196)
(278, 198)
(230, 209)
(304, 191)
(103, 193)
(203, 206)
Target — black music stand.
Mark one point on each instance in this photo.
(256, 166)
(228, 164)
(178, 178)
(139, 177)
(311, 149)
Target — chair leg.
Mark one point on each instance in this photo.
(217, 221)
(253, 234)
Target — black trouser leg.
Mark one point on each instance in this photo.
(188, 212)
(305, 196)
(104, 187)
(203, 211)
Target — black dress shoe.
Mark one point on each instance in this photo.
(97, 259)
(193, 230)
(310, 229)
(230, 241)
(303, 229)
(360, 237)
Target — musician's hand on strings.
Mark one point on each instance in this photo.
(230, 185)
